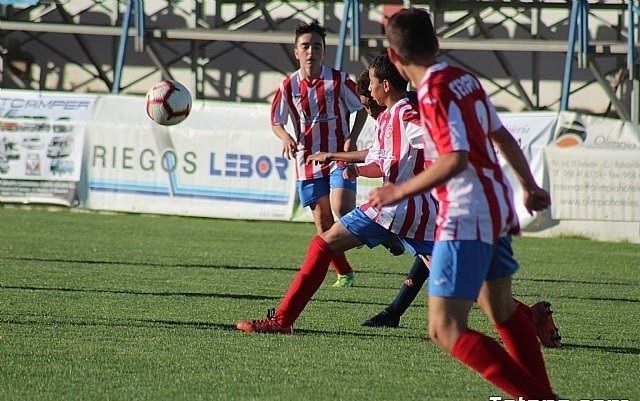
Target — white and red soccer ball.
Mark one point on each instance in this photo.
(168, 102)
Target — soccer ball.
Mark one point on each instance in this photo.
(168, 102)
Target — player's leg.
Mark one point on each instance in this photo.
(343, 200)
(512, 323)
(457, 273)
(390, 316)
(541, 315)
(322, 215)
(343, 193)
(306, 282)
(316, 194)
(513, 326)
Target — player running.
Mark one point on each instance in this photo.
(472, 257)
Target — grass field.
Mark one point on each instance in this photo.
(140, 307)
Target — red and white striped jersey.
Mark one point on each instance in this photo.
(399, 151)
(319, 111)
(457, 115)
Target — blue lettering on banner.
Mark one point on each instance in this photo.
(244, 166)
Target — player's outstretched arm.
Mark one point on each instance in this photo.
(446, 167)
(351, 142)
(371, 170)
(535, 198)
(289, 147)
(356, 156)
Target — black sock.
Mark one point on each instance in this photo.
(417, 276)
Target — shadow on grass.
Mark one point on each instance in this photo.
(287, 269)
(558, 297)
(374, 333)
(554, 280)
(245, 297)
(127, 323)
(615, 350)
(172, 324)
(178, 265)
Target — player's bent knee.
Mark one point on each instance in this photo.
(437, 334)
(444, 335)
(331, 235)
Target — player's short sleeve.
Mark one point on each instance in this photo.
(413, 131)
(494, 121)
(279, 107)
(415, 135)
(350, 96)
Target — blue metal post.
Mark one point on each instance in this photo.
(342, 36)
(355, 29)
(568, 62)
(632, 60)
(631, 46)
(122, 48)
(139, 25)
(583, 22)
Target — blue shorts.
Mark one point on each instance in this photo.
(373, 234)
(458, 268)
(309, 191)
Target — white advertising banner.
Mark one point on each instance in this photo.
(223, 161)
(594, 168)
(532, 130)
(41, 145)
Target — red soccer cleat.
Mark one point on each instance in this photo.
(267, 325)
(546, 329)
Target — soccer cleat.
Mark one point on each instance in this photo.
(382, 319)
(344, 280)
(267, 325)
(546, 329)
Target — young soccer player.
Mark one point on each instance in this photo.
(319, 100)
(390, 316)
(396, 156)
(472, 257)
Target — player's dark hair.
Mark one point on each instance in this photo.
(383, 68)
(362, 85)
(411, 34)
(313, 27)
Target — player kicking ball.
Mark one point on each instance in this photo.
(539, 313)
(390, 316)
(396, 156)
(472, 257)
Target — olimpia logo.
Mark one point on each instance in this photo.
(571, 134)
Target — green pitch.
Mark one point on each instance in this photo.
(138, 307)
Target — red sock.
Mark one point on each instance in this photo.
(488, 358)
(340, 264)
(524, 308)
(306, 282)
(520, 340)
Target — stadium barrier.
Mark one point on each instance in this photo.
(224, 161)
